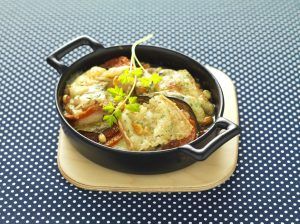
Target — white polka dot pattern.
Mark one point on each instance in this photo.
(255, 42)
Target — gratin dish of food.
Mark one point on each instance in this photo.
(134, 107)
(98, 103)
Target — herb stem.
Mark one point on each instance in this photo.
(133, 55)
(134, 59)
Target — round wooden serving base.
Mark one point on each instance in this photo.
(200, 176)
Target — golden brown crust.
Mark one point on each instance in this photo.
(186, 140)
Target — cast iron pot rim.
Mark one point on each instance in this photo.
(165, 50)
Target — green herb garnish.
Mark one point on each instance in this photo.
(126, 77)
(109, 108)
(117, 93)
(113, 114)
(133, 105)
(129, 76)
(148, 81)
(110, 119)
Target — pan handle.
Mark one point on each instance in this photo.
(54, 58)
(231, 130)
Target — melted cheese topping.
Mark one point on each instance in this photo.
(181, 84)
(157, 123)
(90, 87)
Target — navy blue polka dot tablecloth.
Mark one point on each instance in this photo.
(255, 42)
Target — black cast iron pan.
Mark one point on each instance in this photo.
(146, 162)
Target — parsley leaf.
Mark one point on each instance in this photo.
(134, 107)
(145, 81)
(118, 98)
(153, 79)
(110, 119)
(109, 108)
(138, 72)
(132, 99)
(156, 78)
(116, 91)
(126, 77)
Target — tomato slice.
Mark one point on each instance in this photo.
(116, 62)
